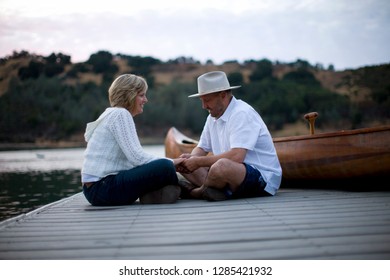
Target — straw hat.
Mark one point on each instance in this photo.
(212, 82)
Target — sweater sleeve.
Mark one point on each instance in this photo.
(124, 131)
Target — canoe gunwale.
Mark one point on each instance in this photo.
(340, 133)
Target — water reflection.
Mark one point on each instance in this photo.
(43, 160)
(30, 179)
(23, 192)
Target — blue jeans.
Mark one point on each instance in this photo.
(128, 185)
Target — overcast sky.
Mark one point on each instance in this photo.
(345, 33)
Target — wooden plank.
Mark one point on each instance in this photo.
(296, 224)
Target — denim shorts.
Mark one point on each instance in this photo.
(253, 184)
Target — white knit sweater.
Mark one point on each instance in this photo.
(113, 145)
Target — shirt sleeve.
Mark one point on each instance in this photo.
(124, 131)
(244, 130)
(205, 137)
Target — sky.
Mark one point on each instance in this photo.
(344, 33)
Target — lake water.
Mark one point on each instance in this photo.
(30, 179)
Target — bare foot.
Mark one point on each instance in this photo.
(198, 192)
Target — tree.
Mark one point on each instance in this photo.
(235, 78)
(32, 71)
(101, 62)
(301, 76)
(263, 70)
(59, 59)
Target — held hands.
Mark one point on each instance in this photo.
(178, 162)
(185, 156)
(186, 163)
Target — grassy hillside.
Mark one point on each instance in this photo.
(50, 99)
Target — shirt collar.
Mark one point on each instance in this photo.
(225, 116)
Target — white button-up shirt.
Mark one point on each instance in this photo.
(241, 126)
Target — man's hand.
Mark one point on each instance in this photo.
(185, 156)
(178, 162)
(191, 164)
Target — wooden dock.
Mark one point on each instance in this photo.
(297, 224)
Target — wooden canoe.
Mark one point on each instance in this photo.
(176, 143)
(347, 154)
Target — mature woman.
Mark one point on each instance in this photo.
(116, 169)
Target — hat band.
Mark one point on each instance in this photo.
(214, 90)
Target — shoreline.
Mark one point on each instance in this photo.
(64, 144)
(37, 146)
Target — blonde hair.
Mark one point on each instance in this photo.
(124, 89)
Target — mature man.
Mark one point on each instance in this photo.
(235, 156)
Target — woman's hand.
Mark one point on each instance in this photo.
(178, 162)
(185, 156)
(191, 164)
